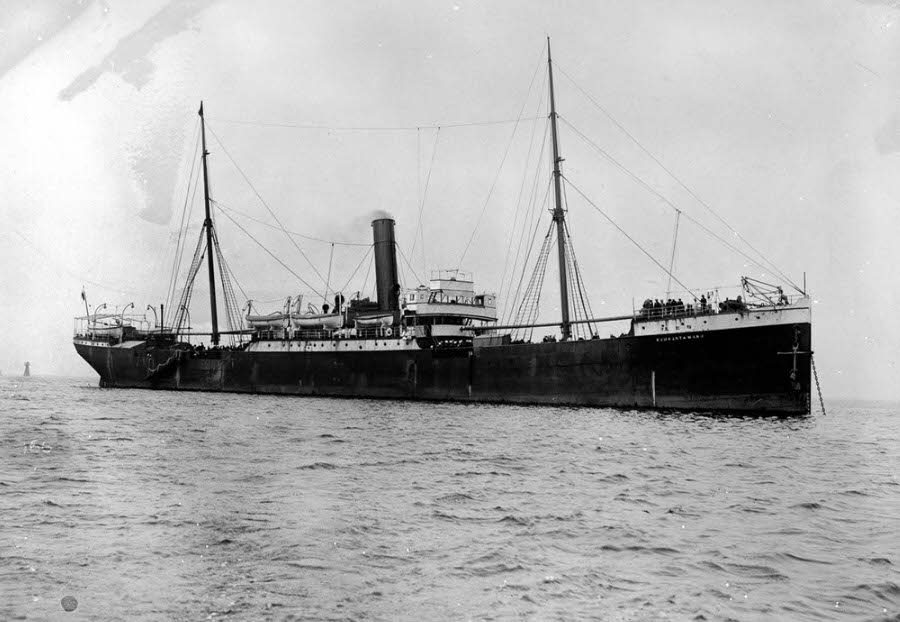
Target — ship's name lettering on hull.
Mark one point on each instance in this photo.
(679, 338)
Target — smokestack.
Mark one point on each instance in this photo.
(386, 265)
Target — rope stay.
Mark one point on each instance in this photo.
(533, 227)
(263, 246)
(530, 222)
(233, 314)
(328, 280)
(583, 310)
(420, 230)
(703, 203)
(185, 300)
(369, 269)
(355, 270)
(406, 260)
(668, 202)
(189, 197)
(528, 214)
(623, 232)
(674, 246)
(266, 205)
(374, 128)
(512, 136)
(529, 306)
(294, 233)
(315, 292)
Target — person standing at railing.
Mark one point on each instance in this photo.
(782, 299)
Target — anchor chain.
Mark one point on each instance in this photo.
(818, 387)
(152, 371)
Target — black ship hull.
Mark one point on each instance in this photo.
(763, 369)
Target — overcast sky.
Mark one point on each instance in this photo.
(784, 117)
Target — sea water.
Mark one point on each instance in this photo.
(140, 505)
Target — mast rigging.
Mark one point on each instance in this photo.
(559, 216)
(208, 225)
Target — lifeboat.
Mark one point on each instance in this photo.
(272, 320)
(385, 319)
(319, 320)
(105, 330)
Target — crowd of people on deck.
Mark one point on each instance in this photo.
(671, 308)
(677, 308)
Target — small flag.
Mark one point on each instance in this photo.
(83, 296)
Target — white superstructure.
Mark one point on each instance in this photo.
(447, 305)
(674, 324)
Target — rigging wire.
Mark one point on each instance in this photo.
(420, 230)
(520, 196)
(579, 288)
(293, 241)
(262, 246)
(368, 270)
(347, 284)
(578, 331)
(530, 304)
(186, 293)
(299, 235)
(328, 281)
(665, 200)
(674, 246)
(409, 265)
(232, 309)
(189, 196)
(402, 277)
(234, 278)
(179, 258)
(534, 227)
(527, 223)
(622, 231)
(376, 128)
(503, 160)
(771, 266)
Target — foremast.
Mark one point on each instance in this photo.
(559, 215)
(208, 225)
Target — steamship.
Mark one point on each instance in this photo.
(444, 341)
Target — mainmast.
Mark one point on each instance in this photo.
(559, 216)
(208, 225)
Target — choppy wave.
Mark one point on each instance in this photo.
(191, 508)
